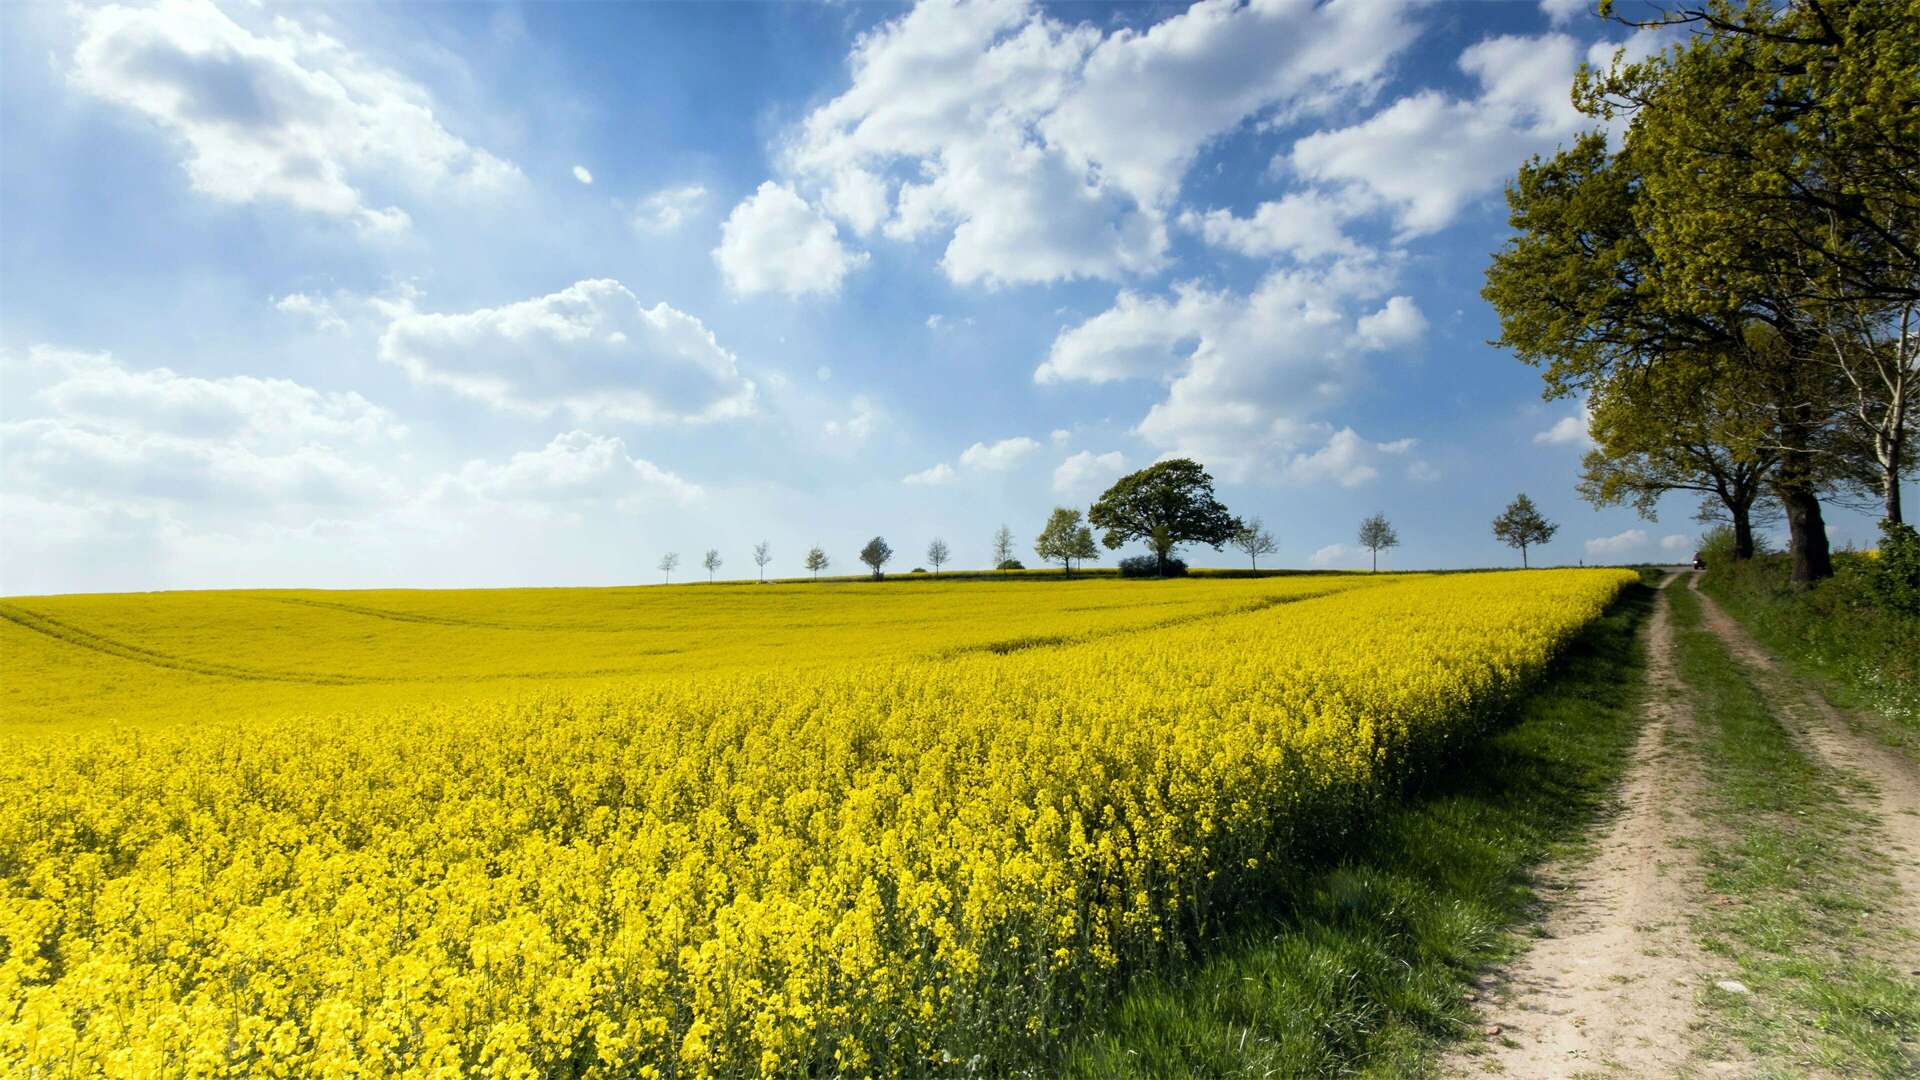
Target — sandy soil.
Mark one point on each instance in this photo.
(1891, 789)
(1611, 987)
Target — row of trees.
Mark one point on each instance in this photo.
(1165, 505)
(1735, 288)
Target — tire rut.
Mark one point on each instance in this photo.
(1612, 986)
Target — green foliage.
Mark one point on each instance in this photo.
(1376, 535)
(1165, 504)
(876, 554)
(1149, 566)
(1057, 540)
(1895, 574)
(1010, 564)
(1521, 525)
(1719, 546)
(816, 560)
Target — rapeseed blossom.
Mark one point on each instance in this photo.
(863, 868)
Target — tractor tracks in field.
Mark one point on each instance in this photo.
(1880, 780)
(1609, 987)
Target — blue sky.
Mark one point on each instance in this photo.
(520, 295)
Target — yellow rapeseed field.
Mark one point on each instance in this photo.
(860, 830)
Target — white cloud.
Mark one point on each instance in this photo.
(1041, 151)
(1060, 436)
(1245, 373)
(279, 113)
(999, 456)
(103, 431)
(1675, 543)
(1562, 12)
(1305, 225)
(1421, 472)
(935, 475)
(1620, 543)
(1428, 155)
(1569, 430)
(577, 465)
(590, 350)
(1087, 472)
(774, 242)
(862, 420)
(1329, 555)
(663, 211)
(581, 174)
(317, 309)
(1346, 459)
(1398, 323)
(823, 373)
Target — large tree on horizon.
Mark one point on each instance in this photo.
(1165, 504)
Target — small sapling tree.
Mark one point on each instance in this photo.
(1254, 539)
(876, 554)
(1377, 535)
(1522, 526)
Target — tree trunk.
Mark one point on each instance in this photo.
(1807, 535)
(1742, 530)
(1523, 556)
(1376, 561)
(1893, 497)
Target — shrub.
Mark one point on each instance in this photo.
(1010, 564)
(1148, 566)
(919, 570)
(1894, 577)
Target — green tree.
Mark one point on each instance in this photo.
(1083, 547)
(1166, 504)
(1056, 539)
(816, 561)
(1377, 535)
(1522, 526)
(1254, 540)
(1002, 548)
(1680, 428)
(876, 555)
(1582, 293)
(938, 554)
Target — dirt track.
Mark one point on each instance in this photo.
(1611, 986)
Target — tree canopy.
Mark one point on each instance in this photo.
(1165, 504)
(876, 554)
(1376, 535)
(1521, 525)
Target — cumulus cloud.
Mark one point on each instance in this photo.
(1674, 543)
(278, 113)
(1426, 156)
(774, 242)
(1330, 554)
(1346, 459)
(1398, 323)
(1562, 12)
(1041, 151)
(316, 309)
(930, 477)
(1245, 373)
(664, 210)
(1087, 472)
(590, 350)
(575, 466)
(1568, 430)
(99, 429)
(999, 456)
(1304, 225)
(1620, 543)
(862, 420)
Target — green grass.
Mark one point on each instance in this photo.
(1794, 893)
(1861, 657)
(1363, 963)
